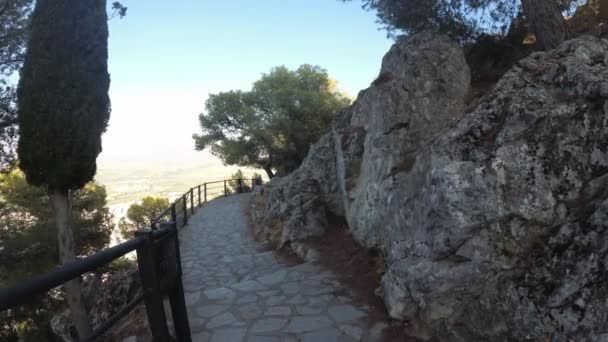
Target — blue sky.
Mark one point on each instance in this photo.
(166, 57)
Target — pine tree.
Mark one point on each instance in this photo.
(546, 22)
(63, 110)
(465, 20)
(272, 126)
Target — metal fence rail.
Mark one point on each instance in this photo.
(158, 263)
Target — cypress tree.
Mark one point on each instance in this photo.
(64, 108)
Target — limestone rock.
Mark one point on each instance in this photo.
(61, 325)
(328, 180)
(298, 202)
(492, 220)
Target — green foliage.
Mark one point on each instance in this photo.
(140, 215)
(30, 322)
(28, 244)
(29, 231)
(63, 93)
(272, 126)
(246, 181)
(14, 21)
(118, 10)
(120, 264)
(464, 20)
(15, 18)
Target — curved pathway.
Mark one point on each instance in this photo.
(236, 291)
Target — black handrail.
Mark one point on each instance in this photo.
(162, 239)
(163, 214)
(12, 296)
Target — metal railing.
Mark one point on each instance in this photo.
(158, 264)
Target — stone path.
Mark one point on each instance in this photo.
(235, 291)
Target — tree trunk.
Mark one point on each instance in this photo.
(604, 10)
(269, 172)
(546, 22)
(62, 206)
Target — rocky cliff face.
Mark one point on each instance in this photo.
(492, 219)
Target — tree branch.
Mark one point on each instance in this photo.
(4, 8)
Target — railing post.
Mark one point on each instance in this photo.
(225, 188)
(239, 185)
(173, 213)
(205, 185)
(185, 210)
(199, 195)
(192, 201)
(252, 183)
(177, 299)
(152, 294)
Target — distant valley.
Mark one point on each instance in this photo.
(129, 181)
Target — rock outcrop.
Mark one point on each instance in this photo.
(492, 219)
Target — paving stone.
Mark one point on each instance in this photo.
(323, 276)
(290, 288)
(275, 300)
(268, 325)
(201, 337)
(273, 278)
(354, 331)
(316, 290)
(278, 311)
(309, 310)
(306, 268)
(344, 300)
(250, 311)
(220, 294)
(344, 313)
(326, 335)
(264, 339)
(247, 299)
(322, 300)
(196, 323)
(300, 324)
(192, 297)
(310, 282)
(210, 310)
(235, 293)
(297, 300)
(226, 259)
(221, 320)
(225, 335)
(248, 285)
